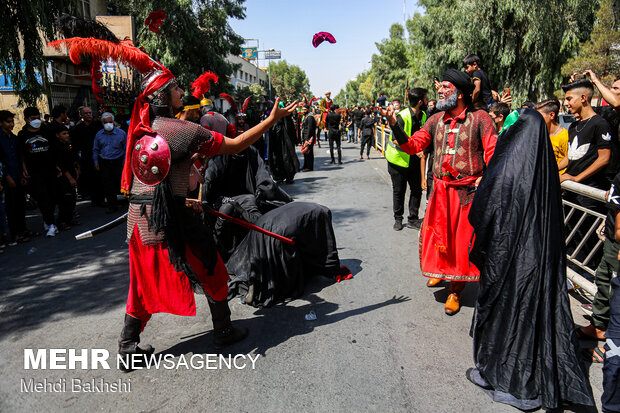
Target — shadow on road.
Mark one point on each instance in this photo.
(275, 325)
(60, 278)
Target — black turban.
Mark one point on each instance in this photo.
(461, 80)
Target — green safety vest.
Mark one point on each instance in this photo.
(393, 153)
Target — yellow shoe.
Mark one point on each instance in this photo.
(433, 282)
(452, 304)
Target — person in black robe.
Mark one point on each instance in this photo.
(283, 161)
(523, 331)
(267, 271)
(240, 186)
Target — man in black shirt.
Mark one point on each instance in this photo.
(589, 140)
(333, 133)
(308, 133)
(82, 139)
(39, 166)
(357, 114)
(481, 96)
(367, 132)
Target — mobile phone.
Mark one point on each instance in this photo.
(436, 79)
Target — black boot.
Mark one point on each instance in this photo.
(224, 334)
(128, 344)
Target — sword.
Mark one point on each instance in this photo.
(105, 227)
(243, 223)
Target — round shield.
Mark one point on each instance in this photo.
(150, 159)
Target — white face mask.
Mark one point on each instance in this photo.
(108, 127)
(67, 126)
(72, 123)
(35, 123)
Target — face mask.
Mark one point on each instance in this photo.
(71, 124)
(108, 127)
(35, 123)
(67, 126)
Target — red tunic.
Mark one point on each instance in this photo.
(155, 286)
(462, 146)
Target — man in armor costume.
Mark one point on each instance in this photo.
(171, 249)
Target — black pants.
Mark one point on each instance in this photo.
(309, 159)
(65, 197)
(402, 176)
(611, 365)
(90, 183)
(15, 203)
(366, 140)
(334, 138)
(43, 189)
(111, 171)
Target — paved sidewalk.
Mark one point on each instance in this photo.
(380, 342)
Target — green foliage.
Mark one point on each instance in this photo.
(195, 36)
(522, 43)
(289, 81)
(25, 26)
(599, 54)
(389, 67)
(352, 88)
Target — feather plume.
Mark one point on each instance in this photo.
(124, 52)
(231, 101)
(312, 100)
(202, 84)
(305, 102)
(72, 26)
(246, 103)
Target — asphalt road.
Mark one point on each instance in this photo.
(380, 342)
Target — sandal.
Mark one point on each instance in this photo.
(594, 355)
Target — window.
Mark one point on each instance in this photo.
(246, 77)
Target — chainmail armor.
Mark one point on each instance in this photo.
(184, 139)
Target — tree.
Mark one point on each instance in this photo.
(600, 53)
(289, 81)
(523, 44)
(195, 36)
(352, 88)
(389, 67)
(25, 26)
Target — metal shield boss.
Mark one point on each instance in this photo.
(150, 159)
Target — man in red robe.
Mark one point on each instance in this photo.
(464, 140)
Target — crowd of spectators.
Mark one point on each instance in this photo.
(52, 161)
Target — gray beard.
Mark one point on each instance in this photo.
(449, 103)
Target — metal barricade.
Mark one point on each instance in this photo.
(586, 228)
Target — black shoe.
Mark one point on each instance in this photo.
(228, 335)
(398, 225)
(132, 355)
(339, 162)
(415, 224)
(332, 162)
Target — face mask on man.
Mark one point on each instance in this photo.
(108, 127)
(35, 123)
(72, 124)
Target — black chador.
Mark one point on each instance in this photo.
(523, 331)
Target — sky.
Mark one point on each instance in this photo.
(289, 26)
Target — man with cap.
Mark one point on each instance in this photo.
(464, 140)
